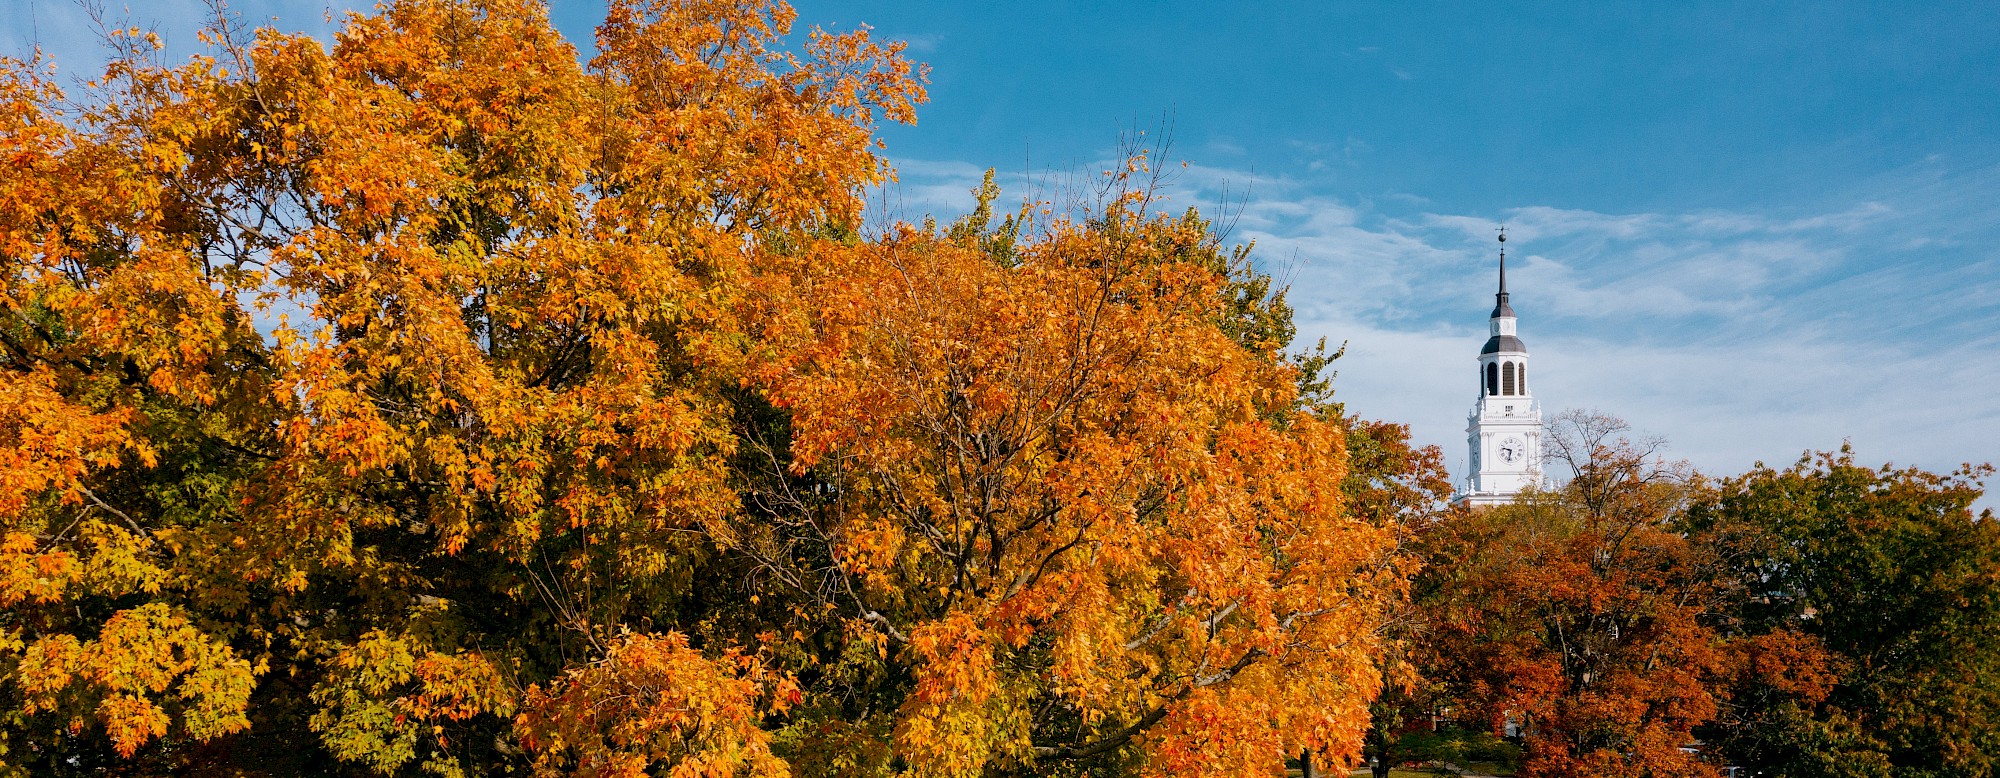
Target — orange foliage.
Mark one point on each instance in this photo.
(416, 350)
(653, 700)
(1087, 518)
(471, 397)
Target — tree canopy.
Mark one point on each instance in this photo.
(1893, 574)
(1639, 619)
(434, 402)
(431, 401)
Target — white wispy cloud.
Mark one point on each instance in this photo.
(1741, 336)
(921, 43)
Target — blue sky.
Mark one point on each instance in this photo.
(1754, 229)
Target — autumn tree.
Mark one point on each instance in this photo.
(1063, 503)
(1395, 484)
(1891, 571)
(434, 402)
(1579, 614)
(360, 399)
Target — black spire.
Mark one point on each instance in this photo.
(1500, 306)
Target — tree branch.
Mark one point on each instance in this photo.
(876, 618)
(143, 534)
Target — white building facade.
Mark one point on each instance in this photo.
(1504, 430)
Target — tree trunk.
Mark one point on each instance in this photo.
(1306, 765)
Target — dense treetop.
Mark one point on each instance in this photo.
(431, 401)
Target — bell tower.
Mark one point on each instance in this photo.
(1504, 430)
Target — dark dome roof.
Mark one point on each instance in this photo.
(1502, 308)
(1499, 343)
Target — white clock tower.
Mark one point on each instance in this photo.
(1504, 430)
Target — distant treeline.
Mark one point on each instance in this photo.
(1827, 619)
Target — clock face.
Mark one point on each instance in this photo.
(1510, 450)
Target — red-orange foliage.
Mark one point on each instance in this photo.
(1587, 617)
